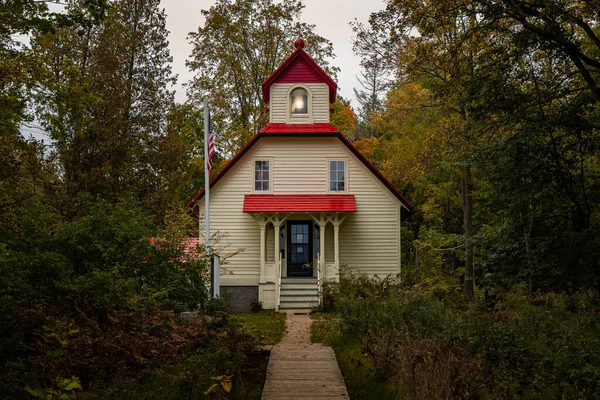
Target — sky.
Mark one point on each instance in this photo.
(330, 17)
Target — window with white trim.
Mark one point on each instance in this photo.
(262, 175)
(337, 176)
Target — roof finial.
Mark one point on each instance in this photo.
(299, 43)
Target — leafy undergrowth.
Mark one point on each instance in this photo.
(357, 367)
(266, 325)
(426, 342)
(140, 354)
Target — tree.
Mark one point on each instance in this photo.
(518, 81)
(460, 69)
(343, 117)
(240, 45)
(106, 98)
(374, 79)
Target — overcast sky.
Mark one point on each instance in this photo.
(331, 18)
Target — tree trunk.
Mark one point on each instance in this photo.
(467, 200)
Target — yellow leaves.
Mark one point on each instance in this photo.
(224, 382)
(343, 117)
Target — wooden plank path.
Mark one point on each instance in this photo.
(299, 369)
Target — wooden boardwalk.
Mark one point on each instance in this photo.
(299, 369)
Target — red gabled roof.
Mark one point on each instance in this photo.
(299, 67)
(297, 130)
(299, 203)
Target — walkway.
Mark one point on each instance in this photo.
(299, 369)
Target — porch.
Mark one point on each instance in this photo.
(299, 246)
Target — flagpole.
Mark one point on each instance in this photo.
(207, 189)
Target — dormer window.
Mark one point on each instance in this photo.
(299, 101)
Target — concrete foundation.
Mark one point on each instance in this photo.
(239, 297)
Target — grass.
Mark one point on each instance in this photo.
(356, 367)
(266, 325)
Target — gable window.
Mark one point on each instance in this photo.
(262, 175)
(337, 176)
(299, 101)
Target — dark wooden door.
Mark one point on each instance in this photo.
(299, 249)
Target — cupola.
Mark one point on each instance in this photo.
(299, 91)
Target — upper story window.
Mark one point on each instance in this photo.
(299, 101)
(337, 176)
(262, 175)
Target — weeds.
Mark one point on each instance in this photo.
(426, 342)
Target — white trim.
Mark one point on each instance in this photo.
(253, 171)
(345, 160)
(299, 118)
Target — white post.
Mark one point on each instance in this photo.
(277, 246)
(336, 243)
(322, 247)
(263, 225)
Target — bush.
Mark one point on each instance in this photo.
(431, 344)
(255, 305)
(120, 357)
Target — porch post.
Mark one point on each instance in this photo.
(322, 246)
(262, 251)
(336, 242)
(277, 245)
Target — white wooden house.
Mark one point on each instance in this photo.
(300, 199)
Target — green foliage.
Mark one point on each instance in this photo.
(64, 388)
(490, 126)
(427, 342)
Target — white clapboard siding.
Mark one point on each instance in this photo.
(318, 104)
(369, 239)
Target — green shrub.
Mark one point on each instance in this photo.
(431, 344)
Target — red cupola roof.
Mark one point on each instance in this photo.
(299, 67)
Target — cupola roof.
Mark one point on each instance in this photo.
(299, 67)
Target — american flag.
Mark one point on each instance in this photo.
(211, 144)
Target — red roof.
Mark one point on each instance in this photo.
(277, 130)
(299, 67)
(299, 203)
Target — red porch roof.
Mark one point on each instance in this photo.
(299, 203)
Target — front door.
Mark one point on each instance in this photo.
(299, 249)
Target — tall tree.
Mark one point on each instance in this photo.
(374, 78)
(241, 43)
(107, 98)
(521, 76)
(433, 43)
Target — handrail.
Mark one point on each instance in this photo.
(278, 287)
(319, 278)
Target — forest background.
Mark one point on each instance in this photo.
(484, 114)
